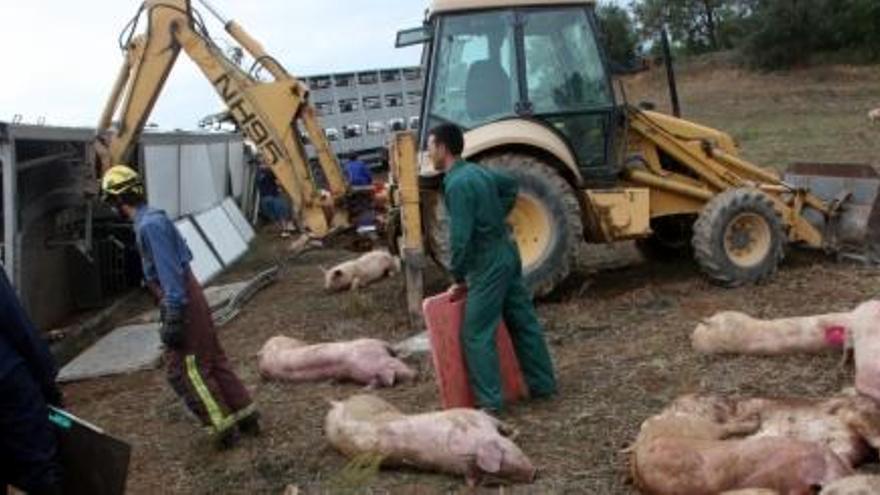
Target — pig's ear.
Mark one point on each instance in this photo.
(489, 457)
(323, 270)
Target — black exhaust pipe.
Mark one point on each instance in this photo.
(670, 72)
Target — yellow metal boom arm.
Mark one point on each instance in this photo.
(268, 113)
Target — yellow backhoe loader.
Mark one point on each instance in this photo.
(529, 82)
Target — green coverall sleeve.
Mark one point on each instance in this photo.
(508, 189)
(459, 203)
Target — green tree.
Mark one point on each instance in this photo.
(621, 38)
(695, 26)
(789, 32)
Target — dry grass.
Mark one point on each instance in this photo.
(818, 114)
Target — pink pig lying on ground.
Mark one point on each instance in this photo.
(733, 332)
(457, 441)
(367, 361)
(866, 346)
(703, 445)
(738, 333)
(361, 272)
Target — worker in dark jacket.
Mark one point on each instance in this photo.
(486, 265)
(28, 446)
(197, 366)
(272, 203)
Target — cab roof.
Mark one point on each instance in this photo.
(446, 6)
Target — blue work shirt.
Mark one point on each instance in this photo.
(165, 257)
(358, 173)
(20, 342)
(266, 183)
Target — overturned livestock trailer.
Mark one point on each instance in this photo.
(63, 250)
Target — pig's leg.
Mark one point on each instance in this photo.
(356, 283)
(741, 427)
(847, 354)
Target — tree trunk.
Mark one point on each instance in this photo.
(710, 24)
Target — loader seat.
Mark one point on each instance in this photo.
(487, 91)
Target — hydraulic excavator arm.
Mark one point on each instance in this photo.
(268, 113)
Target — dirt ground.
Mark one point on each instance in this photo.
(620, 337)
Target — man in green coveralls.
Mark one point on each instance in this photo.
(486, 265)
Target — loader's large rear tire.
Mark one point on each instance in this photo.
(738, 238)
(546, 222)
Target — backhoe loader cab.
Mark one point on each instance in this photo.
(523, 60)
(528, 82)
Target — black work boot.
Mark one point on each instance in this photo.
(250, 425)
(227, 439)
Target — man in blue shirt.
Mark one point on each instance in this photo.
(28, 446)
(360, 203)
(357, 172)
(197, 366)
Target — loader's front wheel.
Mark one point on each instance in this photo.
(738, 238)
(545, 222)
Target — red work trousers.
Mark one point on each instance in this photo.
(200, 373)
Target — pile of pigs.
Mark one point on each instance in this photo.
(699, 444)
(708, 444)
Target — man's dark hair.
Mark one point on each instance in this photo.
(450, 136)
(129, 198)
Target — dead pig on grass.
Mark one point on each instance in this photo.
(367, 361)
(361, 272)
(785, 444)
(700, 445)
(859, 329)
(733, 332)
(463, 442)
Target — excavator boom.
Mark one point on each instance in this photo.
(268, 113)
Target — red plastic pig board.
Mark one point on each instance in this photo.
(444, 319)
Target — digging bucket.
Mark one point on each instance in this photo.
(854, 229)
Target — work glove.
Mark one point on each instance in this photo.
(53, 396)
(171, 331)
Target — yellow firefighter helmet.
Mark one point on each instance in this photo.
(120, 179)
